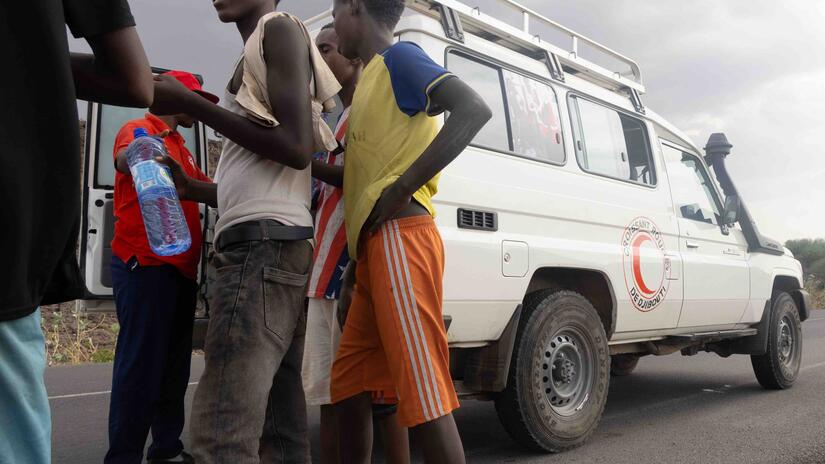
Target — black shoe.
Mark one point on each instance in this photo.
(183, 457)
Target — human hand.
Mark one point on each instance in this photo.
(178, 176)
(392, 200)
(170, 96)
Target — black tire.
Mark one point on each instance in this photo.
(552, 419)
(623, 364)
(778, 368)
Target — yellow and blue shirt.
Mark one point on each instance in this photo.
(391, 123)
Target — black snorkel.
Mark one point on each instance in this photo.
(716, 150)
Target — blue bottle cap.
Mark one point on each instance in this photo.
(140, 132)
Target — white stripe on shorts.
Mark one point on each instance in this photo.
(418, 322)
(395, 293)
(410, 310)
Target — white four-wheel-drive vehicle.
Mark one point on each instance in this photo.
(582, 231)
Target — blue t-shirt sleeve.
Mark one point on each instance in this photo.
(414, 76)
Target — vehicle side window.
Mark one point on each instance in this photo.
(525, 111)
(112, 118)
(611, 143)
(534, 118)
(486, 80)
(690, 185)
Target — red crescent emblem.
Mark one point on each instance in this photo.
(637, 264)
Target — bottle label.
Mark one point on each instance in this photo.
(148, 174)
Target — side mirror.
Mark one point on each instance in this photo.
(730, 215)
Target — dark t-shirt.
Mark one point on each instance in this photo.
(39, 148)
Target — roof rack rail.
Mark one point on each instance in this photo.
(522, 40)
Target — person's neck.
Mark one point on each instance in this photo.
(170, 121)
(246, 26)
(378, 39)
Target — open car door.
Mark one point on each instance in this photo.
(97, 228)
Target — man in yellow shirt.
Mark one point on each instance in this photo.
(394, 337)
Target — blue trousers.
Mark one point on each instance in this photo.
(155, 309)
(25, 420)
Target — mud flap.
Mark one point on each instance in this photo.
(487, 368)
(755, 344)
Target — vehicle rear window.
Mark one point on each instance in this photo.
(611, 143)
(525, 119)
(486, 80)
(534, 118)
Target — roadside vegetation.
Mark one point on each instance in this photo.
(74, 336)
(811, 253)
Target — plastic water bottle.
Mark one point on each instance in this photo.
(160, 207)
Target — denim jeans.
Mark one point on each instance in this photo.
(249, 406)
(25, 420)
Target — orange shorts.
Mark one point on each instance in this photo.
(394, 338)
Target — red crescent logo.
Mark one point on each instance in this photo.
(643, 232)
(637, 264)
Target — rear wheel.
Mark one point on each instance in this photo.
(778, 368)
(559, 374)
(623, 364)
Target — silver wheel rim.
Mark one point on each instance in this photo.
(567, 371)
(787, 343)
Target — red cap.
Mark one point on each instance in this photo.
(191, 82)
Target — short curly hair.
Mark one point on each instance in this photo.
(386, 12)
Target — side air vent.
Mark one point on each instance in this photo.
(477, 220)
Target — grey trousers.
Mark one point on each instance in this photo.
(249, 406)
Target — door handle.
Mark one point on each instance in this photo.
(691, 244)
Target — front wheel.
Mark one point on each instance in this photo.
(559, 374)
(778, 368)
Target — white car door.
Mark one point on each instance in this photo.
(715, 266)
(97, 228)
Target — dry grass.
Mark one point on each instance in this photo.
(74, 336)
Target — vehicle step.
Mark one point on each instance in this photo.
(715, 335)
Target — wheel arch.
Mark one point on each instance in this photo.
(791, 285)
(593, 284)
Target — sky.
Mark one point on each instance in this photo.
(754, 69)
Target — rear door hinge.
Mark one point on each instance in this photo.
(636, 99)
(554, 66)
(451, 23)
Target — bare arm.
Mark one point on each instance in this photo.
(118, 73)
(121, 165)
(288, 75)
(328, 173)
(188, 188)
(468, 114)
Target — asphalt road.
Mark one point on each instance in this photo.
(672, 409)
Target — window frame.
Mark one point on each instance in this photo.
(500, 67)
(577, 133)
(717, 197)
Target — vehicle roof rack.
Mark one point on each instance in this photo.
(520, 39)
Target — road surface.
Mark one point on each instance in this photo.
(672, 409)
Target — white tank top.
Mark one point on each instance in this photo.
(251, 187)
